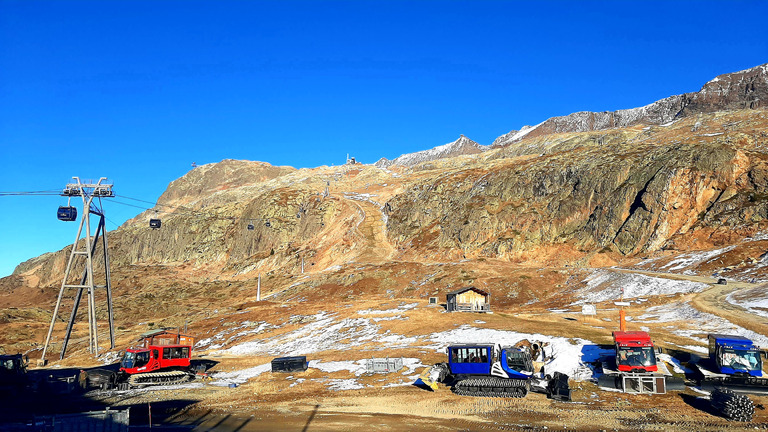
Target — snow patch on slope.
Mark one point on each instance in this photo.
(685, 261)
(322, 333)
(754, 300)
(461, 146)
(699, 323)
(605, 285)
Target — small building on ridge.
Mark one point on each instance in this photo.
(468, 299)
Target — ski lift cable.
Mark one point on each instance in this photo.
(31, 193)
(176, 210)
(112, 222)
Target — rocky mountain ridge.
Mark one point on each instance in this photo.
(730, 91)
(736, 90)
(460, 147)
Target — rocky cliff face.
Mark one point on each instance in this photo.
(738, 90)
(635, 196)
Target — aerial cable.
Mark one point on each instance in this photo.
(176, 212)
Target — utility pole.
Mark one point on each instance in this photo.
(87, 191)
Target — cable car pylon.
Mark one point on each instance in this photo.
(87, 191)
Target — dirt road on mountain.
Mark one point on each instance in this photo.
(714, 299)
(376, 248)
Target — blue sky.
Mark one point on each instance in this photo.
(138, 90)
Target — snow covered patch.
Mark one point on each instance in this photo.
(568, 354)
(695, 348)
(701, 323)
(344, 384)
(411, 364)
(323, 332)
(754, 300)
(110, 357)
(604, 285)
(525, 130)
(392, 318)
(332, 268)
(762, 235)
(694, 258)
(218, 340)
(356, 367)
(399, 309)
(407, 377)
(463, 145)
(298, 381)
(224, 379)
(676, 365)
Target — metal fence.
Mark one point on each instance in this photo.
(383, 365)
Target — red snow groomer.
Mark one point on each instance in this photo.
(634, 352)
(163, 358)
(634, 368)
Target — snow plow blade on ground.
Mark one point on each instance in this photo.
(434, 375)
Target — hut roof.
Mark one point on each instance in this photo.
(465, 289)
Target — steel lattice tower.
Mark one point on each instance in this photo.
(88, 191)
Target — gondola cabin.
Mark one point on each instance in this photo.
(469, 299)
(67, 214)
(155, 223)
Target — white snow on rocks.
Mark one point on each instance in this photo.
(322, 333)
(688, 260)
(356, 367)
(755, 300)
(605, 285)
(344, 384)
(676, 365)
(399, 309)
(238, 377)
(217, 341)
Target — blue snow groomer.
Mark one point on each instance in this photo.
(492, 370)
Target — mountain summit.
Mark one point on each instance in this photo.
(462, 146)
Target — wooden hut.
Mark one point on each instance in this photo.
(469, 299)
